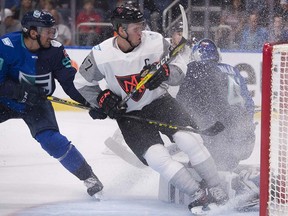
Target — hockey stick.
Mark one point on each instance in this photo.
(68, 103)
(117, 145)
(213, 130)
(121, 151)
(185, 22)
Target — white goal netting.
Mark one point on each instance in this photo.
(278, 162)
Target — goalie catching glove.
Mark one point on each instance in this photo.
(109, 101)
(158, 77)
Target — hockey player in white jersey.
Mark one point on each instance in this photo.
(118, 61)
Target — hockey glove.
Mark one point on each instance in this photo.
(158, 77)
(109, 101)
(97, 113)
(29, 94)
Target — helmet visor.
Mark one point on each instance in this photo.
(51, 32)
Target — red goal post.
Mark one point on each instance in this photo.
(274, 131)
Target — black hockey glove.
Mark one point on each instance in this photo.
(158, 77)
(97, 113)
(29, 94)
(109, 101)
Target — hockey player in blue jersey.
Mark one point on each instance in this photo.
(214, 91)
(30, 61)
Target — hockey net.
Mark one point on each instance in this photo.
(274, 131)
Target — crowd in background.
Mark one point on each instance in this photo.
(242, 24)
(248, 25)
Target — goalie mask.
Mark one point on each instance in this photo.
(205, 50)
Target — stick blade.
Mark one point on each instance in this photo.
(214, 129)
(123, 153)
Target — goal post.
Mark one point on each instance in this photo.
(274, 131)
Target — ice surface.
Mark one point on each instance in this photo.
(33, 183)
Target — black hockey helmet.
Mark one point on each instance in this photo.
(36, 19)
(126, 15)
(131, 4)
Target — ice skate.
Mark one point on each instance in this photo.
(207, 199)
(94, 186)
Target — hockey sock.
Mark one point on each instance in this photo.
(159, 159)
(57, 145)
(75, 163)
(199, 156)
(184, 181)
(54, 143)
(192, 145)
(207, 170)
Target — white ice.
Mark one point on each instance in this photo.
(33, 183)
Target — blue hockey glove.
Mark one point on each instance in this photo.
(29, 94)
(97, 113)
(158, 77)
(109, 101)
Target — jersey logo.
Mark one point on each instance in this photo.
(97, 47)
(128, 83)
(66, 61)
(7, 42)
(44, 81)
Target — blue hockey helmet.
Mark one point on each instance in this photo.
(125, 15)
(36, 18)
(205, 50)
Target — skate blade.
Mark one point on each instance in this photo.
(98, 196)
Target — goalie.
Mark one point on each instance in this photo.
(213, 91)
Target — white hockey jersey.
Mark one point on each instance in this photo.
(121, 71)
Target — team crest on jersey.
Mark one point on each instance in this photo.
(7, 42)
(97, 47)
(128, 83)
(45, 81)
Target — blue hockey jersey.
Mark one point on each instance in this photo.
(214, 89)
(217, 92)
(40, 68)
